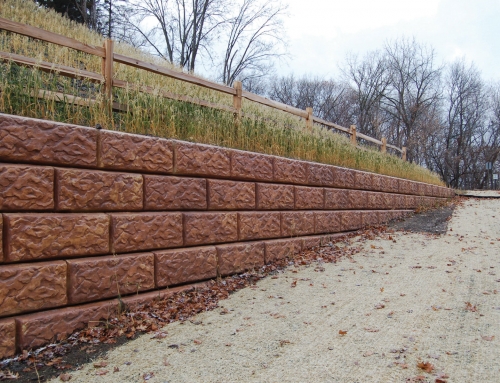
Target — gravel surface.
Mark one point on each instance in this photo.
(405, 299)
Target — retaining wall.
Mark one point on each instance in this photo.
(87, 215)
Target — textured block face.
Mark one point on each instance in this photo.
(413, 188)
(363, 180)
(87, 190)
(404, 186)
(399, 201)
(39, 236)
(428, 190)
(145, 231)
(256, 225)
(35, 330)
(377, 182)
(351, 220)
(1, 239)
(38, 141)
(336, 199)
(328, 222)
(251, 166)
(26, 187)
(133, 152)
(206, 228)
(230, 195)
(202, 160)
(240, 257)
(358, 199)
(174, 267)
(309, 243)
(343, 178)
(369, 218)
(175, 193)
(275, 197)
(410, 202)
(392, 184)
(384, 216)
(309, 198)
(421, 189)
(290, 171)
(297, 223)
(7, 338)
(97, 278)
(373, 201)
(32, 287)
(282, 248)
(320, 175)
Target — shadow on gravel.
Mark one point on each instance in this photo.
(432, 221)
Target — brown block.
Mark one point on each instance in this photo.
(175, 193)
(399, 201)
(413, 187)
(257, 225)
(133, 152)
(363, 180)
(404, 186)
(37, 141)
(369, 218)
(203, 160)
(336, 199)
(428, 190)
(309, 198)
(309, 243)
(1, 239)
(377, 182)
(327, 222)
(92, 279)
(206, 228)
(26, 187)
(39, 236)
(358, 199)
(421, 188)
(145, 231)
(240, 257)
(35, 330)
(86, 190)
(30, 287)
(7, 338)
(384, 216)
(230, 195)
(373, 200)
(282, 248)
(251, 166)
(410, 202)
(137, 301)
(173, 267)
(297, 223)
(274, 197)
(391, 185)
(343, 178)
(320, 174)
(351, 220)
(290, 171)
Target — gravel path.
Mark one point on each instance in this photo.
(404, 299)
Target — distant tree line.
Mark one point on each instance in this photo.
(447, 116)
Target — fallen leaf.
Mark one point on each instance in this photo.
(488, 338)
(100, 364)
(439, 380)
(160, 335)
(372, 329)
(148, 375)
(283, 342)
(102, 372)
(197, 341)
(65, 377)
(341, 332)
(294, 283)
(470, 307)
(368, 353)
(426, 366)
(381, 289)
(379, 306)
(116, 369)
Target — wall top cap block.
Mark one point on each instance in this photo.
(202, 160)
(46, 142)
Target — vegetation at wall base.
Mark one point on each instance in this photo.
(268, 131)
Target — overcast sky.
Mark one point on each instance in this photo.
(322, 32)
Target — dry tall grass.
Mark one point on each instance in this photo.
(271, 132)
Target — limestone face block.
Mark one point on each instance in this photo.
(30, 287)
(175, 193)
(351, 220)
(89, 190)
(178, 266)
(41, 236)
(145, 231)
(327, 222)
(282, 248)
(363, 180)
(97, 278)
(369, 218)
(290, 171)
(309, 198)
(230, 195)
(297, 223)
(336, 199)
(251, 166)
(38, 141)
(257, 225)
(206, 228)
(358, 199)
(26, 187)
(275, 197)
(240, 257)
(321, 175)
(7, 338)
(133, 152)
(343, 178)
(204, 160)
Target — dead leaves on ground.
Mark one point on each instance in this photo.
(470, 307)
(426, 366)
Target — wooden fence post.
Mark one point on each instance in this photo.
(383, 148)
(107, 72)
(309, 119)
(237, 100)
(403, 155)
(352, 131)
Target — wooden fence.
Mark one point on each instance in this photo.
(106, 77)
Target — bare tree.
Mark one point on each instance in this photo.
(254, 40)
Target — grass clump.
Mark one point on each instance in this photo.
(269, 131)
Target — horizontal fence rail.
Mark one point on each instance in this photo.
(106, 78)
